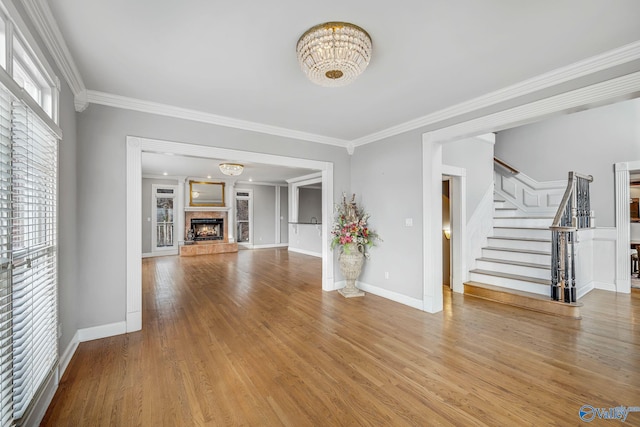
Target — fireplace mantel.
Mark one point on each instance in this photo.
(206, 209)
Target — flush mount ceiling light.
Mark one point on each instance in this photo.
(334, 53)
(231, 169)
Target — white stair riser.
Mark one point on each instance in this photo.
(521, 270)
(530, 233)
(519, 214)
(519, 285)
(516, 256)
(522, 222)
(496, 242)
(506, 212)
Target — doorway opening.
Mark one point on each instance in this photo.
(446, 232)
(135, 146)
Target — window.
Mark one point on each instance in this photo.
(28, 247)
(163, 211)
(244, 207)
(22, 66)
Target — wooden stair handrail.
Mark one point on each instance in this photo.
(506, 165)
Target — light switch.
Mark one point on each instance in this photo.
(408, 222)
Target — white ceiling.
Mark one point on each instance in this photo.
(157, 164)
(237, 59)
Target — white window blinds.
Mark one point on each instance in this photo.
(6, 349)
(28, 239)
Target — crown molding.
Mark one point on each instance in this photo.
(609, 59)
(620, 88)
(110, 100)
(47, 27)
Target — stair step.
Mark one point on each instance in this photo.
(513, 277)
(526, 300)
(522, 221)
(523, 243)
(536, 285)
(527, 232)
(520, 263)
(519, 268)
(506, 212)
(518, 255)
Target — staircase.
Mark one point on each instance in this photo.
(515, 266)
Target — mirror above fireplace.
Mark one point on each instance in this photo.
(206, 194)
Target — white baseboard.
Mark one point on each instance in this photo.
(157, 254)
(605, 286)
(305, 252)
(102, 331)
(65, 358)
(267, 246)
(585, 290)
(385, 293)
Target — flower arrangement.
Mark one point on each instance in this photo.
(350, 228)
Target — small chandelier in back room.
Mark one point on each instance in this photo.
(334, 53)
(231, 169)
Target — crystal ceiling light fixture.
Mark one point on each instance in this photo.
(231, 169)
(334, 53)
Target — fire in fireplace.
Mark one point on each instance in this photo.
(207, 228)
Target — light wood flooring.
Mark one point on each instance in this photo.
(251, 339)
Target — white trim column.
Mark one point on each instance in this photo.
(432, 224)
(134, 234)
(623, 225)
(231, 213)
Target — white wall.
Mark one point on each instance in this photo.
(102, 194)
(306, 239)
(476, 157)
(588, 142)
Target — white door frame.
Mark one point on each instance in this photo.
(134, 148)
(458, 210)
(598, 94)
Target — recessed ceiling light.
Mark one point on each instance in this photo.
(165, 173)
(208, 176)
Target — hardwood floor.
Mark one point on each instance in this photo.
(251, 339)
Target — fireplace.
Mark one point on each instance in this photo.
(207, 229)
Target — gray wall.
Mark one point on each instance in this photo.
(386, 178)
(309, 204)
(68, 217)
(102, 191)
(588, 142)
(147, 213)
(264, 213)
